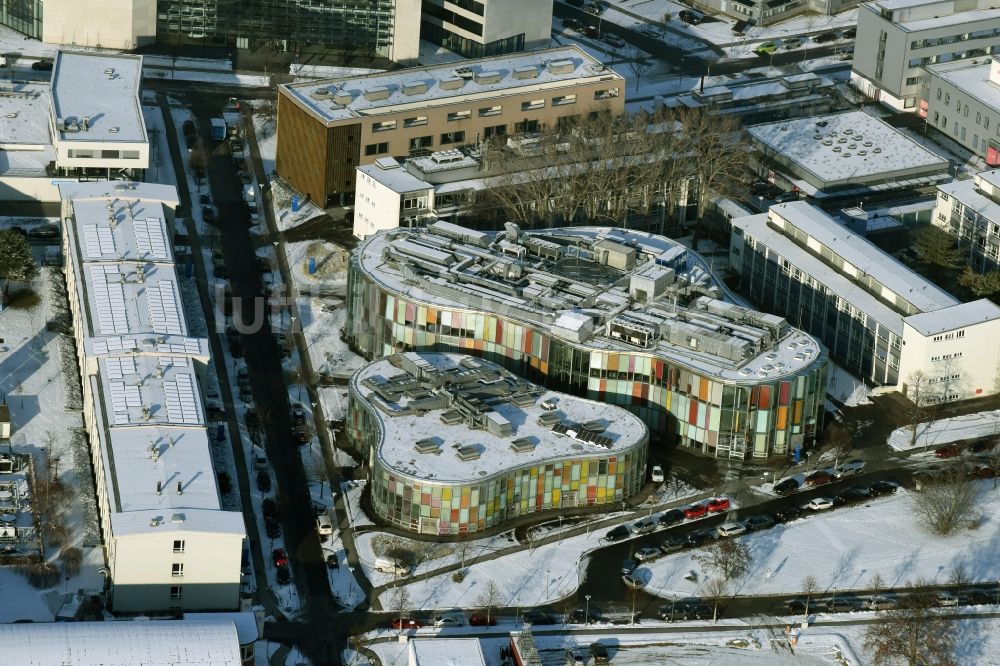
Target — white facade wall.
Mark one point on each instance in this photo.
(111, 24)
(378, 207)
(959, 364)
(889, 55)
(506, 18)
(68, 154)
(405, 47)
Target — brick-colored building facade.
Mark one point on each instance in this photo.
(326, 129)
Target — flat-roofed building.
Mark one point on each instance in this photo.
(897, 39)
(622, 317)
(454, 440)
(871, 311)
(970, 210)
(479, 28)
(328, 128)
(846, 154)
(169, 543)
(963, 101)
(109, 24)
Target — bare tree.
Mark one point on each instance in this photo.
(921, 395)
(462, 548)
(959, 574)
(729, 558)
(637, 63)
(491, 597)
(716, 589)
(810, 588)
(946, 500)
(399, 601)
(876, 583)
(916, 633)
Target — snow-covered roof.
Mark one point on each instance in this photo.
(971, 77)
(847, 148)
(543, 274)
(972, 197)
(392, 175)
(102, 87)
(113, 230)
(24, 115)
(118, 191)
(123, 298)
(447, 384)
(246, 623)
(955, 317)
(418, 88)
(121, 643)
(859, 253)
(446, 652)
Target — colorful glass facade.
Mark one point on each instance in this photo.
(759, 417)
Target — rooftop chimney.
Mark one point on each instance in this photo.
(180, 488)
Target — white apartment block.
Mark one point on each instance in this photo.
(109, 24)
(970, 210)
(897, 39)
(963, 101)
(480, 28)
(169, 544)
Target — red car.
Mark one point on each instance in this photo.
(949, 451)
(818, 477)
(408, 623)
(478, 620)
(279, 557)
(696, 511)
(718, 504)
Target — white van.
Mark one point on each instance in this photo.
(390, 565)
(324, 526)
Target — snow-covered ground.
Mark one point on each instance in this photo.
(843, 548)
(265, 130)
(932, 434)
(845, 388)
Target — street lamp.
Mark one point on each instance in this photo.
(586, 610)
(546, 584)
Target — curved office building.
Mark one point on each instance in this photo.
(457, 445)
(625, 318)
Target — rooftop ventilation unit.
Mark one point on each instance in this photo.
(467, 453)
(451, 417)
(321, 93)
(523, 445)
(376, 93)
(177, 517)
(522, 399)
(464, 72)
(156, 521)
(560, 66)
(113, 130)
(595, 426)
(549, 419)
(447, 156)
(343, 97)
(451, 83)
(597, 68)
(486, 78)
(427, 445)
(526, 72)
(414, 88)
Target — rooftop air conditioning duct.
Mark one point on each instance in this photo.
(414, 88)
(451, 83)
(526, 72)
(342, 97)
(485, 78)
(377, 93)
(561, 67)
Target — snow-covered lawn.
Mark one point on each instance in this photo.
(932, 434)
(843, 548)
(845, 388)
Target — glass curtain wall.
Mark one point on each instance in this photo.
(25, 16)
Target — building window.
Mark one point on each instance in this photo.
(459, 115)
(560, 100)
(533, 104)
(81, 154)
(413, 203)
(490, 111)
(109, 154)
(134, 154)
(912, 80)
(176, 591)
(909, 103)
(420, 142)
(384, 126)
(937, 116)
(986, 122)
(495, 130)
(960, 334)
(979, 118)
(416, 121)
(526, 127)
(377, 148)
(178, 546)
(947, 99)
(452, 137)
(606, 94)
(939, 94)
(177, 569)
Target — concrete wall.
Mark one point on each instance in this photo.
(376, 207)
(405, 47)
(960, 115)
(506, 18)
(956, 367)
(113, 24)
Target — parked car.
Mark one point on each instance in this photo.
(855, 494)
(849, 468)
(691, 16)
(301, 434)
(580, 615)
(758, 522)
(272, 527)
(263, 481)
(324, 526)
(537, 617)
(447, 621)
(479, 620)
(764, 189)
(633, 581)
(799, 605)
(718, 504)
(644, 526)
(671, 517)
(297, 414)
(685, 609)
(947, 451)
(699, 537)
(673, 544)
(982, 471)
(42, 65)
(730, 529)
(881, 488)
(767, 48)
(279, 557)
(618, 533)
(818, 478)
(656, 475)
(628, 566)
(785, 197)
(225, 484)
(599, 652)
(946, 599)
(820, 503)
(696, 511)
(269, 507)
(788, 515)
(283, 575)
(208, 214)
(824, 37)
(844, 603)
(615, 41)
(644, 554)
(883, 602)
(786, 487)
(790, 43)
(572, 24)
(405, 623)
(982, 446)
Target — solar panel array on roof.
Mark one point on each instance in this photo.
(182, 400)
(104, 346)
(98, 240)
(582, 434)
(123, 397)
(109, 299)
(149, 238)
(163, 308)
(118, 368)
